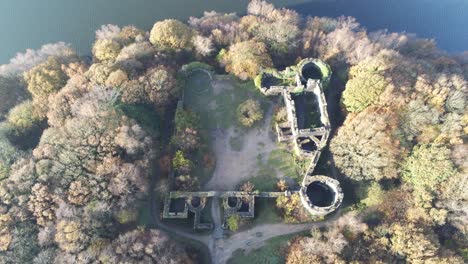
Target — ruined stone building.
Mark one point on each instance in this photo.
(301, 88)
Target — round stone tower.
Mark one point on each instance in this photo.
(320, 195)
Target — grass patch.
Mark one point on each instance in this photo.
(236, 143)
(264, 183)
(284, 162)
(218, 109)
(279, 161)
(265, 212)
(200, 169)
(144, 215)
(272, 253)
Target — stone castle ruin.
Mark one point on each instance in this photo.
(301, 88)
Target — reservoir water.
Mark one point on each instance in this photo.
(32, 23)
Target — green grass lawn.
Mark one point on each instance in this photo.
(218, 110)
(284, 162)
(272, 253)
(144, 215)
(265, 212)
(279, 161)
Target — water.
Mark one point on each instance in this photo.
(31, 23)
(445, 21)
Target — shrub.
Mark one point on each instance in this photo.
(180, 163)
(247, 187)
(291, 209)
(249, 112)
(233, 222)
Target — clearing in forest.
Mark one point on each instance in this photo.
(241, 153)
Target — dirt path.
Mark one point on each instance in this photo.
(233, 167)
(255, 238)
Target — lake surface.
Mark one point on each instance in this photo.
(32, 23)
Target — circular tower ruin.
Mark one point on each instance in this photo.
(320, 194)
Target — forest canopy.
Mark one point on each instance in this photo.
(77, 149)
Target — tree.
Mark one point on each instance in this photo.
(186, 183)
(277, 28)
(106, 49)
(23, 247)
(99, 72)
(131, 34)
(280, 36)
(8, 152)
(203, 45)
(117, 78)
(222, 28)
(249, 112)
(71, 236)
(5, 237)
(144, 246)
(413, 242)
(108, 31)
(157, 86)
(374, 195)
(94, 164)
(23, 117)
(138, 51)
(364, 148)
(60, 104)
(171, 34)
(363, 89)
(45, 78)
(46, 256)
(260, 8)
(426, 168)
(246, 59)
(325, 246)
(42, 204)
(11, 93)
(187, 135)
(187, 139)
(453, 197)
(419, 119)
(23, 62)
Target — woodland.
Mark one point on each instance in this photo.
(80, 137)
